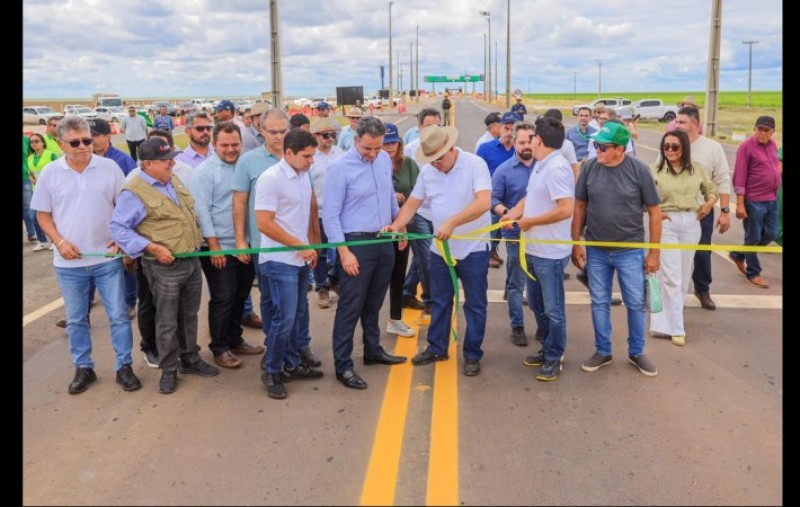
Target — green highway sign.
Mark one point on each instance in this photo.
(464, 78)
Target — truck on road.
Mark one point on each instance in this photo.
(654, 109)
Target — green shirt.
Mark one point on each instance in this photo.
(405, 177)
(26, 149)
(52, 145)
(678, 192)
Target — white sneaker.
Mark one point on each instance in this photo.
(40, 246)
(52, 246)
(399, 328)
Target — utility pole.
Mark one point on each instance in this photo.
(416, 71)
(410, 68)
(750, 70)
(391, 91)
(275, 54)
(574, 85)
(489, 82)
(529, 86)
(599, 77)
(399, 75)
(508, 54)
(494, 81)
(712, 81)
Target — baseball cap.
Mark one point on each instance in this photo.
(491, 118)
(157, 148)
(298, 120)
(323, 105)
(392, 136)
(226, 105)
(612, 132)
(99, 126)
(765, 121)
(510, 117)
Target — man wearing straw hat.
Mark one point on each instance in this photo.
(346, 135)
(458, 188)
(689, 101)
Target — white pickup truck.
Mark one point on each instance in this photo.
(609, 102)
(654, 109)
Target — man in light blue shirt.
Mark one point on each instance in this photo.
(346, 135)
(229, 279)
(359, 202)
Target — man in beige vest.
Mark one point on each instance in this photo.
(155, 216)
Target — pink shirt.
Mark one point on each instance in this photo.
(756, 174)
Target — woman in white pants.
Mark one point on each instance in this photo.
(679, 182)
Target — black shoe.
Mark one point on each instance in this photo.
(196, 366)
(151, 358)
(413, 303)
(426, 357)
(705, 301)
(300, 372)
(384, 358)
(538, 336)
(581, 277)
(505, 294)
(31, 238)
(471, 367)
(168, 382)
(616, 301)
(308, 357)
(127, 379)
(275, 388)
(351, 379)
(80, 382)
(566, 276)
(518, 337)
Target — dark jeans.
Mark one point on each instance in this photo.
(321, 269)
(133, 147)
(396, 283)
(361, 297)
(228, 287)
(268, 308)
(496, 236)
(146, 314)
(701, 276)
(760, 229)
(176, 289)
(419, 272)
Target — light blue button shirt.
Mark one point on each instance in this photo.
(248, 169)
(359, 196)
(346, 135)
(211, 187)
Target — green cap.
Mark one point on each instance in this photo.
(614, 133)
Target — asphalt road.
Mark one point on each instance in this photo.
(707, 430)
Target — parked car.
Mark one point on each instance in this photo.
(187, 108)
(242, 105)
(80, 111)
(654, 109)
(302, 102)
(610, 102)
(111, 114)
(172, 110)
(374, 101)
(203, 104)
(38, 115)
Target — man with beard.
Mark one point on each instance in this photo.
(198, 127)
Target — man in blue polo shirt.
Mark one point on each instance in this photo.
(579, 134)
(495, 153)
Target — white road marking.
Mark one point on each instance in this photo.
(41, 312)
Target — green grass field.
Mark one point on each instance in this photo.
(759, 99)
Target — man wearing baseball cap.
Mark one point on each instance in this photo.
(611, 191)
(323, 109)
(156, 204)
(756, 179)
(492, 122)
(101, 137)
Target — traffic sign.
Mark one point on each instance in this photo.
(464, 78)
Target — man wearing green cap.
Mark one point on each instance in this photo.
(611, 191)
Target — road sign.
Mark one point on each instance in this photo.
(517, 93)
(464, 78)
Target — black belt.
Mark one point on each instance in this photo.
(362, 234)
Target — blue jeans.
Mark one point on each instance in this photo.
(517, 281)
(701, 275)
(760, 228)
(419, 271)
(321, 269)
(288, 284)
(130, 288)
(550, 276)
(40, 236)
(110, 283)
(473, 271)
(268, 309)
(27, 194)
(629, 265)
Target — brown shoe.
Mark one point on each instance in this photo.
(227, 360)
(759, 281)
(706, 301)
(496, 256)
(324, 298)
(413, 303)
(245, 349)
(739, 263)
(494, 263)
(62, 323)
(252, 320)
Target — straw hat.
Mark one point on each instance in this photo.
(435, 141)
(354, 112)
(688, 101)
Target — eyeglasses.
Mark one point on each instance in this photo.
(672, 147)
(77, 142)
(603, 147)
(276, 132)
(327, 135)
(203, 128)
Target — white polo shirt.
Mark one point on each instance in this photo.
(319, 169)
(551, 179)
(81, 205)
(282, 190)
(449, 193)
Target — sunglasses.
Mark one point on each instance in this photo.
(77, 142)
(203, 128)
(327, 135)
(603, 147)
(672, 147)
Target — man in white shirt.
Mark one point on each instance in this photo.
(492, 122)
(135, 129)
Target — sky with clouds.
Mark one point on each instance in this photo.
(209, 48)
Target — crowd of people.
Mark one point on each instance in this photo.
(286, 185)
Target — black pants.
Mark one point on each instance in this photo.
(397, 282)
(133, 147)
(228, 287)
(701, 276)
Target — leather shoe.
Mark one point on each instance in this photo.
(351, 379)
(758, 281)
(168, 382)
(706, 301)
(245, 349)
(384, 358)
(227, 360)
(252, 320)
(80, 382)
(471, 367)
(413, 303)
(197, 366)
(739, 264)
(308, 357)
(426, 357)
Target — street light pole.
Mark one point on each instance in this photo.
(489, 82)
(494, 81)
(599, 77)
(485, 73)
(391, 91)
(275, 53)
(574, 85)
(508, 55)
(750, 70)
(410, 68)
(416, 71)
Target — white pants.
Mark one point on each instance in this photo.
(676, 271)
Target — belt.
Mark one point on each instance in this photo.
(361, 234)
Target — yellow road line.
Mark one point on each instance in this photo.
(381, 479)
(443, 460)
(41, 312)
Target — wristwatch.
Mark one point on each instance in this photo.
(725, 209)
